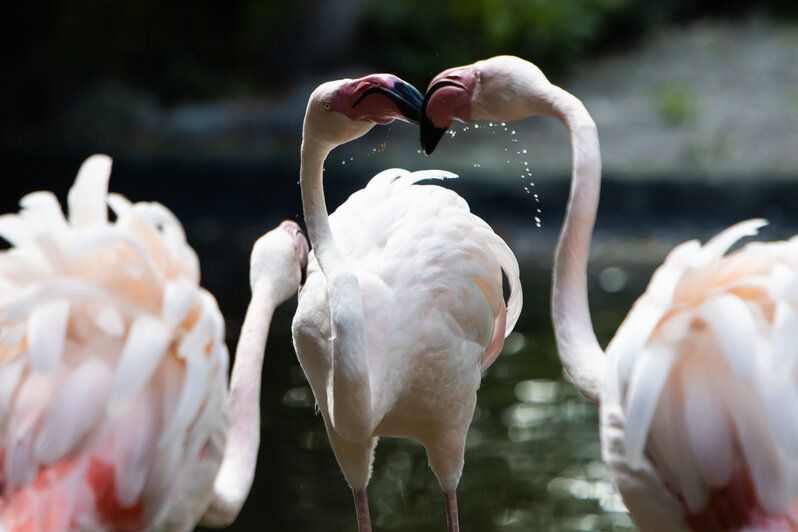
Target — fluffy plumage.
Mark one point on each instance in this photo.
(430, 275)
(113, 367)
(703, 385)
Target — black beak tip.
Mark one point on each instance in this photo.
(409, 100)
(430, 135)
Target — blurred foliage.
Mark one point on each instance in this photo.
(674, 103)
(206, 49)
(425, 36)
(428, 36)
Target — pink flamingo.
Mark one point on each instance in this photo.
(115, 412)
(402, 308)
(698, 389)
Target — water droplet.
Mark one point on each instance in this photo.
(476, 126)
(512, 132)
(523, 151)
(382, 145)
(504, 124)
(343, 162)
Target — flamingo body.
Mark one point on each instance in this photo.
(403, 305)
(698, 389)
(430, 278)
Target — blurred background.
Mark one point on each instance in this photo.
(201, 103)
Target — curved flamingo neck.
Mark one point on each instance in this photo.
(314, 205)
(577, 345)
(237, 470)
(349, 390)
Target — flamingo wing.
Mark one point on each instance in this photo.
(706, 373)
(112, 363)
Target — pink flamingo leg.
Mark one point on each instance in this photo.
(362, 509)
(451, 511)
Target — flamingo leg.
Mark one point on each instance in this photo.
(451, 511)
(362, 510)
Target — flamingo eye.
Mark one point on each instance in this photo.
(327, 106)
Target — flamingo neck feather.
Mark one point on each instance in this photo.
(237, 469)
(579, 350)
(349, 389)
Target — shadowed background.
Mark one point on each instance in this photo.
(201, 105)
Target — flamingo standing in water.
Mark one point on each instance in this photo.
(402, 308)
(114, 406)
(698, 389)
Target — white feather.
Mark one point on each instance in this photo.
(110, 321)
(14, 334)
(46, 334)
(73, 410)
(707, 425)
(14, 229)
(766, 462)
(783, 345)
(648, 377)
(147, 341)
(87, 197)
(30, 404)
(784, 284)
(736, 332)
(716, 246)
(203, 331)
(133, 450)
(180, 296)
(10, 374)
(47, 291)
(195, 383)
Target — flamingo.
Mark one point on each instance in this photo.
(114, 402)
(403, 307)
(698, 389)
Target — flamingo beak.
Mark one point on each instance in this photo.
(406, 97)
(430, 134)
(301, 246)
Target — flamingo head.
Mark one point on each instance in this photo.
(502, 88)
(280, 258)
(342, 110)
